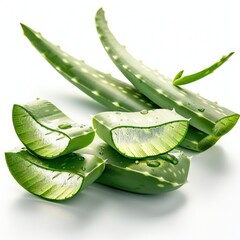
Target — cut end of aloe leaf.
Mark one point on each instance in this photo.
(48, 132)
(142, 142)
(224, 125)
(207, 142)
(54, 180)
(198, 141)
(141, 134)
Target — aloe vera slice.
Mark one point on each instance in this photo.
(104, 88)
(141, 134)
(179, 80)
(54, 180)
(147, 176)
(205, 115)
(47, 131)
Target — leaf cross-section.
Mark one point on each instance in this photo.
(48, 132)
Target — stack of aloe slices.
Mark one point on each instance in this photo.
(60, 157)
(138, 148)
(47, 166)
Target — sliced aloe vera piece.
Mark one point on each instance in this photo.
(54, 180)
(141, 134)
(47, 131)
(205, 115)
(179, 80)
(104, 88)
(148, 176)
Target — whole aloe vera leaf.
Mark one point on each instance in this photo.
(141, 134)
(89, 80)
(179, 80)
(47, 131)
(147, 176)
(54, 180)
(109, 91)
(205, 115)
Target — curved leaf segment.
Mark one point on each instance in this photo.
(54, 180)
(141, 134)
(48, 132)
(149, 176)
(205, 115)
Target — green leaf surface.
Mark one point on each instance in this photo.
(146, 176)
(57, 180)
(48, 132)
(104, 88)
(141, 134)
(205, 115)
(179, 80)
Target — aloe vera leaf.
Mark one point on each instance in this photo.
(54, 180)
(89, 80)
(179, 80)
(141, 134)
(147, 176)
(205, 115)
(109, 91)
(48, 132)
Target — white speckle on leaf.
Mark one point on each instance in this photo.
(107, 48)
(95, 93)
(115, 57)
(84, 70)
(65, 60)
(116, 104)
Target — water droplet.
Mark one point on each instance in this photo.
(144, 111)
(201, 109)
(137, 162)
(83, 168)
(64, 126)
(153, 163)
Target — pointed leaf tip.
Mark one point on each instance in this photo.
(100, 12)
(178, 75)
(24, 26)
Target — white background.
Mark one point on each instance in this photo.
(167, 35)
